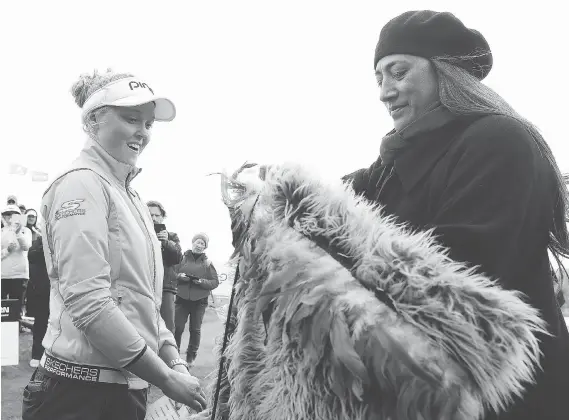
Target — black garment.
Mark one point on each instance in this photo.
(49, 398)
(167, 309)
(14, 289)
(38, 294)
(395, 142)
(171, 250)
(171, 255)
(195, 309)
(484, 187)
(38, 285)
(41, 318)
(196, 266)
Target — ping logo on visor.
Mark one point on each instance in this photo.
(129, 92)
(133, 85)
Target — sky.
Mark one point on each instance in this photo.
(260, 81)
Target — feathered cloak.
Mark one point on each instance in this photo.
(340, 313)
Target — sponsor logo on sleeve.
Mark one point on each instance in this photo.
(70, 208)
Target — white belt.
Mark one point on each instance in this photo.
(84, 373)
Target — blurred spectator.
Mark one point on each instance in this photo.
(25, 219)
(31, 223)
(171, 255)
(11, 200)
(38, 288)
(197, 277)
(16, 240)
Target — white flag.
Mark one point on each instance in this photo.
(38, 176)
(17, 169)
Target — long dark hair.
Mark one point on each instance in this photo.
(463, 94)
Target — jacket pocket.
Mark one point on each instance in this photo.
(141, 311)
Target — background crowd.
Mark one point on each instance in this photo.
(189, 277)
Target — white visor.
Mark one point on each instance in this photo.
(130, 91)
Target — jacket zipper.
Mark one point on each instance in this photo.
(153, 260)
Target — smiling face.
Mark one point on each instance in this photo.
(409, 87)
(124, 132)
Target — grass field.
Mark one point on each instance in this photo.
(15, 378)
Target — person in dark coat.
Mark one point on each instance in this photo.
(38, 288)
(197, 277)
(171, 256)
(462, 162)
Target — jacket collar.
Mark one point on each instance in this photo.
(189, 252)
(94, 154)
(430, 140)
(395, 142)
(437, 117)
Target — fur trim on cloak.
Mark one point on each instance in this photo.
(364, 318)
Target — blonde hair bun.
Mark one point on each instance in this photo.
(87, 84)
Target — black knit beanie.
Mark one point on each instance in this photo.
(429, 34)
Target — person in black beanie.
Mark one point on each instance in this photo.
(461, 161)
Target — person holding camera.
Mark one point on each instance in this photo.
(197, 277)
(171, 256)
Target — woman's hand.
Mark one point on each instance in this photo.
(183, 370)
(184, 388)
(204, 415)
